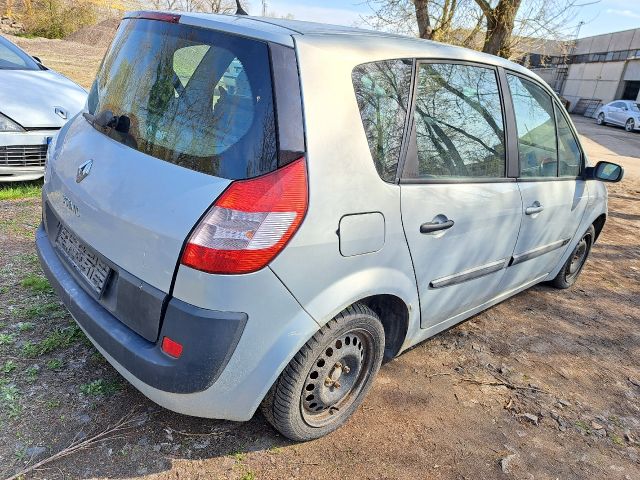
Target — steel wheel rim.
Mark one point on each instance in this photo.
(336, 378)
(578, 257)
(630, 125)
(600, 119)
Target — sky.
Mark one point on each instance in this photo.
(603, 16)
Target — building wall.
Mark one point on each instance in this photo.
(599, 80)
(593, 80)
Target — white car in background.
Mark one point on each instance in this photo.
(35, 102)
(625, 113)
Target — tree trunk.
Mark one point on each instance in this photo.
(500, 23)
(425, 30)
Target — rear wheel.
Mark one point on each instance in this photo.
(630, 125)
(329, 377)
(600, 119)
(573, 266)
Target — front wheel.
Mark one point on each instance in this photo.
(630, 125)
(600, 119)
(573, 266)
(329, 377)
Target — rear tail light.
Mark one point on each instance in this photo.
(250, 223)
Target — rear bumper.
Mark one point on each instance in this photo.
(32, 167)
(209, 337)
(280, 327)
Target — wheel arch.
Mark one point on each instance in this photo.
(394, 315)
(598, 225)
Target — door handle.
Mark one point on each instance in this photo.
(533, 209)
(430, 227)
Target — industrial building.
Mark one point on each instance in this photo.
(592, 70)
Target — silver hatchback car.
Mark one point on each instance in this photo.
(257, 212)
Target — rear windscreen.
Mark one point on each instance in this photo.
(197, 98)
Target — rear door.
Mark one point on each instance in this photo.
(554, 195)
(460, 212)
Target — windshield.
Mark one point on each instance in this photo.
(635, 107)
(197, 98)
(12, 58)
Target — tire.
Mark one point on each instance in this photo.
(600, 119)
(314, 396)
(630, 125)
(573, 266)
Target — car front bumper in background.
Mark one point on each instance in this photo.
(23, 154)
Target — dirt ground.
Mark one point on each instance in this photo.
(544, 385)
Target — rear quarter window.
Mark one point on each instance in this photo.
(198, 98)
(382, 91)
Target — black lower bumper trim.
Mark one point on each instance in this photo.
(208, 337)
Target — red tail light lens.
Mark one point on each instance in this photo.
(250, 223)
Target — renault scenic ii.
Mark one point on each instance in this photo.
(257, 212)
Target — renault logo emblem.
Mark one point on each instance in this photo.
(83, 170)
(61, 112)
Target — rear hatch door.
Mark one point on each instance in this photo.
(176, 113)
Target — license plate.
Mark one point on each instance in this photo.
(87, 263)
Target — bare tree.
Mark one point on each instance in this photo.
(450, 21)
(500, 22)
(207, 6)
(507, 28)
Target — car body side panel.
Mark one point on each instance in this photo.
(342, 181)
(277, 328)
(564, 203)
(596, 206)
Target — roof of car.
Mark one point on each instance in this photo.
(283, 30)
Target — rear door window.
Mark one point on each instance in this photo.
(459, 129)
(194, 97)
(382, 92)
(536, 127)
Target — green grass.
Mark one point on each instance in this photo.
(50, 310)
(7, 338)
(8, 367)
(52, 404)
(25, 326)
(20, 190)
(239, 456)
(248, 476)
(100, 387)
(31, 259)
(55, 364)
(60, 338)
(26, 35)
(37, 284)
(583, 426)
(617, 439)
(32, 373)
(9, 395)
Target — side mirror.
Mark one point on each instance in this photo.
(605, 172)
